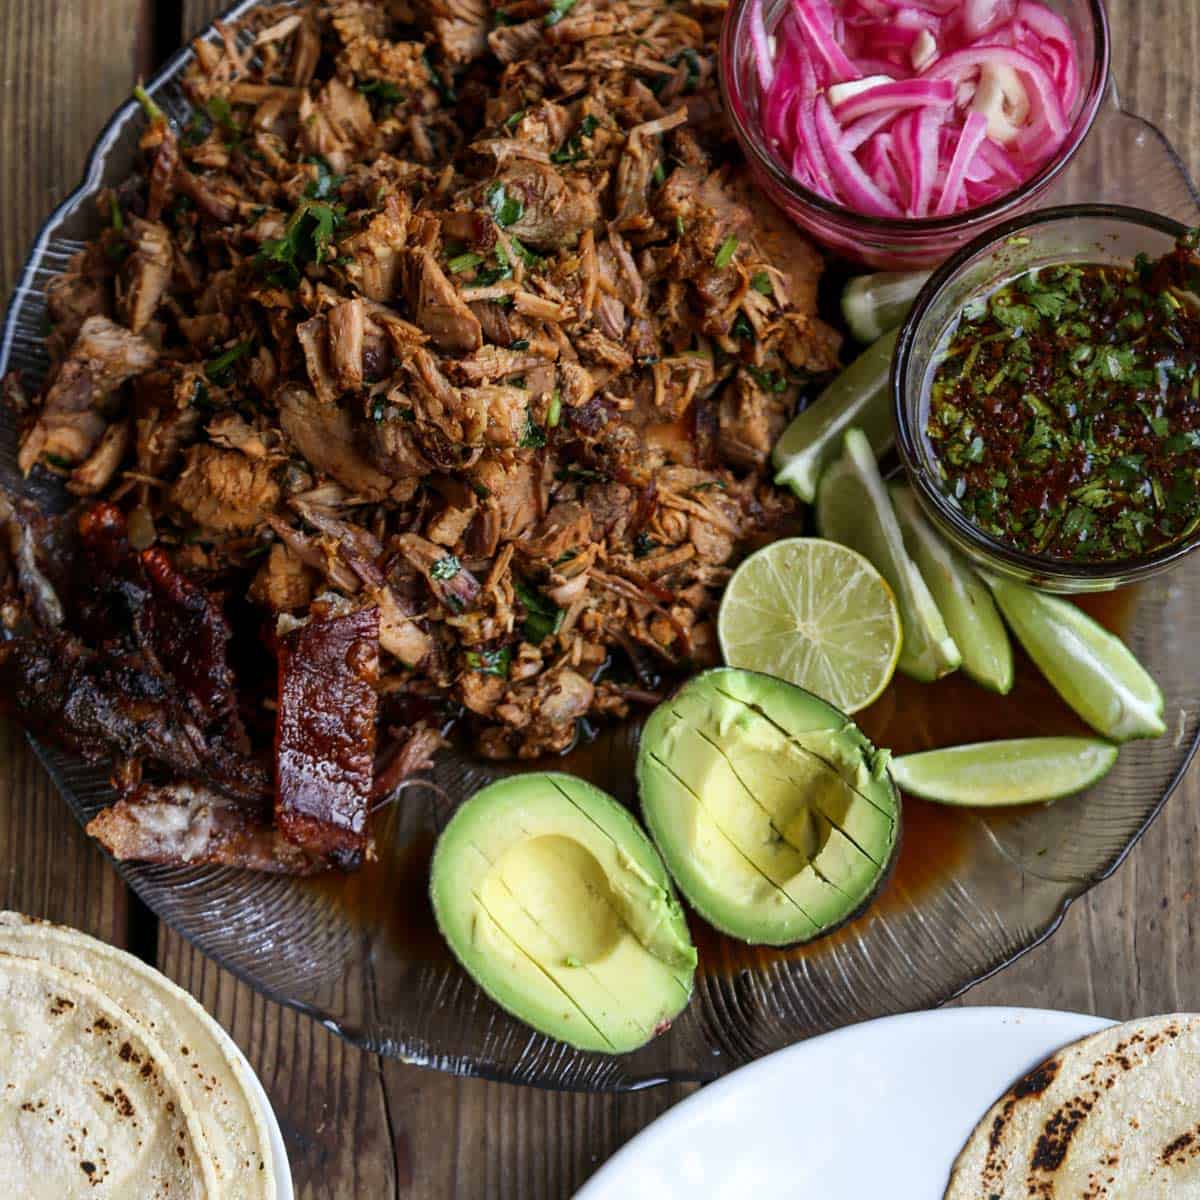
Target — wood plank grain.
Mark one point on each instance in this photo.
(55, 94)
(327, 1095)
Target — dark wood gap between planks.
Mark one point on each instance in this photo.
(166, 31)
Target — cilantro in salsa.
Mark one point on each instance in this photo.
(1064, 411)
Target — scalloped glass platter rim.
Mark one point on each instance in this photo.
(971, 893)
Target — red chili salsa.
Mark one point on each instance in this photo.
(1064, 412)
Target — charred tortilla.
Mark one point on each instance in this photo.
(90, 1104)
(210, 1074)
(1114, 1116)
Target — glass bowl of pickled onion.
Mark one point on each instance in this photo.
(895, 131)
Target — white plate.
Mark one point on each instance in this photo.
(283, 1171)
(879, 1109)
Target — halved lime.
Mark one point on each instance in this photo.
(1090, 668)
(858, 396)
(853, 508)
(993, 774)
(962, 597)
(815, 614)
(873, 304)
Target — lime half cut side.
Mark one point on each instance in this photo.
(853, 508)
(993, 774)
(815, 614)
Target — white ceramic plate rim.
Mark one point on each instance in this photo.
(279, 1155)
(761, 1083)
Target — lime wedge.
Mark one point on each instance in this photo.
(1090, 668)
(874, 304)
(962, 597)
(853, 508)
(993, 774)
(858, 396)
(815, 614)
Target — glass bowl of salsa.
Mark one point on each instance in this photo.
(1046, 390)
(899, 243)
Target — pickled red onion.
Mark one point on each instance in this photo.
(905, 141)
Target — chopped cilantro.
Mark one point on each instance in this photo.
(741, 328)
(221, 115)
(543, 618)
(507, 209)
(218, 369)
(533, 437)
(490, 662)
(445, 568)
(306, 239)
(327, 181)
(644, 544)
(382, 94)
(152, 111)
(443, 85)
(573, 150)
(769, 381)
(558, 10)
(464, 262)
(725, 252)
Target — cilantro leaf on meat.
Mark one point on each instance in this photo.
(490, 662)
(543, 617)
(507, 209)
(306, 239)
(218, 369)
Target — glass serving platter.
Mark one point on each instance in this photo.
(971, 890)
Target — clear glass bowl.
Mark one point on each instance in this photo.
(1092, 233)
(887, 243)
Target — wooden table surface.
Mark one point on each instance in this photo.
(361, 1126)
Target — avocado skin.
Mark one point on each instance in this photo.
(553, 809)
(803, 714)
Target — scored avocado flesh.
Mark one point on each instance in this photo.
(765, 815)
(565, 926)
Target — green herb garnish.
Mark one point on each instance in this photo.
(558, 10)
(306, 239)
(507, 209)
(725, 252)
(543, 618)
(445, 568)
(464, 262)
(218, 369)
(490, 662)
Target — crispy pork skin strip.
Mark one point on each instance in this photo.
(325, 732)
(185, 825)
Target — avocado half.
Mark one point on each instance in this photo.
(558, 905)
(774, 813)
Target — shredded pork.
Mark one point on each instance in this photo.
(454, 349)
